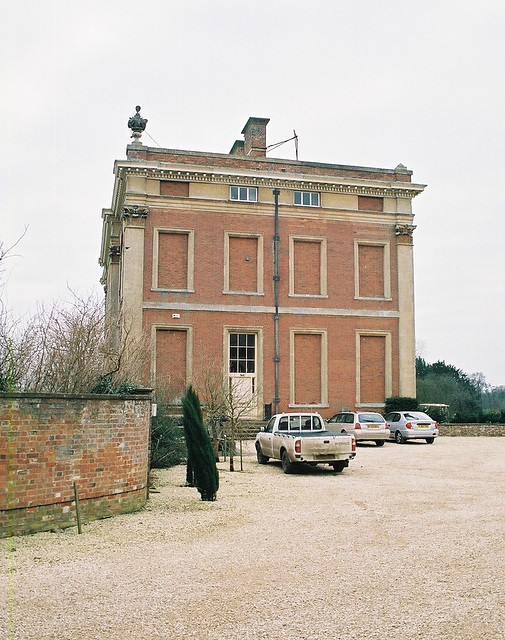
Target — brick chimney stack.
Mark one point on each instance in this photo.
(255, 134)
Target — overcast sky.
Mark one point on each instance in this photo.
(363, 82)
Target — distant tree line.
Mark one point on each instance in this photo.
(469, 397)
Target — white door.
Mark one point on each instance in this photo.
(242, 372)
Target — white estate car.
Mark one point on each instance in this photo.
(364, 425)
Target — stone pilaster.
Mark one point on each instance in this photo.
(132, 276)
(407, 341)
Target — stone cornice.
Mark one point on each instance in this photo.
(347, 186)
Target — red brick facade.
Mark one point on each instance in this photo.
(48, 442)
(205, 260)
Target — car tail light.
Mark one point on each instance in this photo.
(409, 425)
(436, 425)
(353, 444)
(357, 425)
(298, 446)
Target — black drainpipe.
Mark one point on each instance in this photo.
(276, 279)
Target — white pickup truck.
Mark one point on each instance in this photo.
(294, 438)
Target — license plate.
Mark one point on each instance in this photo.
(374, 426)
(423, 426)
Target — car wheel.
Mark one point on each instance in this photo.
(380, 443)
(399, 438)
(287, 465)
(260, 457)
(430, 440)
(339, 466)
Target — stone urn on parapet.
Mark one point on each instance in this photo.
(137, 124)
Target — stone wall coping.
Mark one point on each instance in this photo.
(471, 424)
(140, 394)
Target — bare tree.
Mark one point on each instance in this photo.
(237, 408)
(12, 355)
(224, 406)
(210, 383)
(6, 252)
(63, 349)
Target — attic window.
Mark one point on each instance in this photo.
(244, 194)
(306, 198)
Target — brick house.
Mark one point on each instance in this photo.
(294, 278)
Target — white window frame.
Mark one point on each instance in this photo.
(239, 193)
(311, 196)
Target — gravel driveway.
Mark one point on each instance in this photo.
(407, 543)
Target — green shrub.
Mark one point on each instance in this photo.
(466, 417)
(492, 417)
(400, 403)
(168, 446)
(107, 385)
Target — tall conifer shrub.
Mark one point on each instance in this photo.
(200, 451)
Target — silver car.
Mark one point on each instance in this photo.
(412, 425)
(366, 426)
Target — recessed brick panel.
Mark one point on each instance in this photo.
(307, 267)
(372, 369)
(171, 363)
(173, 260)
(243, 264)
(173, 188)
(369, 203)
(307, 370)
(371, 271)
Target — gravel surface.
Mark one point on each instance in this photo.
(407, 543)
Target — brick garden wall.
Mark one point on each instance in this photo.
(48, 442)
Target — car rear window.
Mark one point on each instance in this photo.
(370, 417)
(417, 415)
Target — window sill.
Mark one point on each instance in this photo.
(308, 407)
(172, 290)
(370, 405)
(243, 293)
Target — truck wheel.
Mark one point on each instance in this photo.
(339, 466)
(260, 457)
(399, 438)
(380, 443)
(287, 465)
(430, 440)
